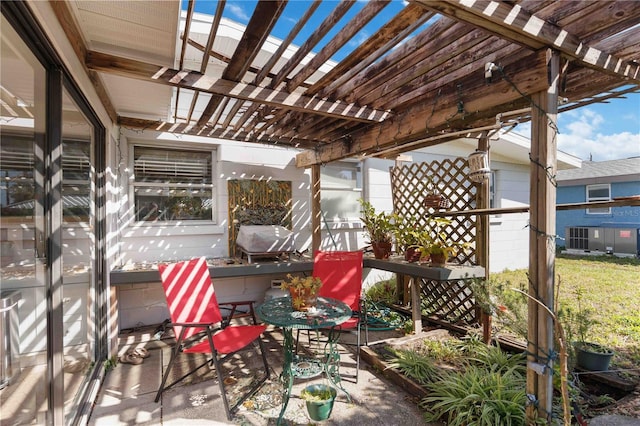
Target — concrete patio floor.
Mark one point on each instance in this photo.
(127, 394)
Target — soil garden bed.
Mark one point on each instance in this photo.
(602, 393)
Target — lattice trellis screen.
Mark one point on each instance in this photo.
(257, 202)
(450, 301)
(410, 183)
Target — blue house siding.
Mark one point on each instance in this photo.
(620, 216)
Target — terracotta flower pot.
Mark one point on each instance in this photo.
(412, 254)
(381, 250)
(439, 259)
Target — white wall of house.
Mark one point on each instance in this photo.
(151, 242)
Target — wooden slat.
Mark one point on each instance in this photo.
(329, 22)
(441, 67)
(388, 37)
(190, 129)
(268, 66)
(518, 25)
(218, 86)
(183, 50)
(262, 21)
(406, 72)
(416, 122)
(206, 53)
(404, 55)
(368, 12)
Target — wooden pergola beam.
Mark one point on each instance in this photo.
(514, 23)
(218, 132)
(199, 82)
(260, 25)
(423, 121)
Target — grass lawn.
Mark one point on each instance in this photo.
(611, 287)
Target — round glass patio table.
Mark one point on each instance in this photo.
(328, 315)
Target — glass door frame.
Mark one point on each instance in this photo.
(59, 78)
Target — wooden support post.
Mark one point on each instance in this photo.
(542, 243)
(316, 222)
(482, 234)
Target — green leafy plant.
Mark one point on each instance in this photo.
(409, 233)
(378, 226)
(471, 344)
(382, 291)
(317, 393)
(578, 323)
(498, 360)
(419, 367)
(439, 244)
(110, 363)
(442, 350)
(477, 396)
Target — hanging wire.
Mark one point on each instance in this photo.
(547, 169)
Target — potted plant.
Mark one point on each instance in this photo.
(578, 324)
(319, 399)
(409, 238)
(441, 248)
(303, 291)
(379, 228)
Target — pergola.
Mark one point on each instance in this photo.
(434, 71)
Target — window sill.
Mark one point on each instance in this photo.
(142, 229)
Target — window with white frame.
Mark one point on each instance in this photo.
(173, 184)
(600, 192)
(340, 189)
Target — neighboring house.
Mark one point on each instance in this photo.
(604, 229)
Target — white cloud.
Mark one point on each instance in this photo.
(360, 38)
(580, 136)
(599, 147)
(237, 11)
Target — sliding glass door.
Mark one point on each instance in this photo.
(52, 305)
(23, 233)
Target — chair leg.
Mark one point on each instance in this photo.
(168, 370)
(229, 410)
(174, 354)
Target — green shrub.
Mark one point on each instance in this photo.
(442, 350)
(419, 367)
(495, 359)
(382, 291)
(477, 396)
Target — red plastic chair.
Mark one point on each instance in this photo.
(341, 275)
(199, 326)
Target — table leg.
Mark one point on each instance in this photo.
(287, 373)
(332, 365)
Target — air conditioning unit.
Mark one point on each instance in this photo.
(603, 239)
(577, 238)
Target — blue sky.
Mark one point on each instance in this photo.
(599, 131)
